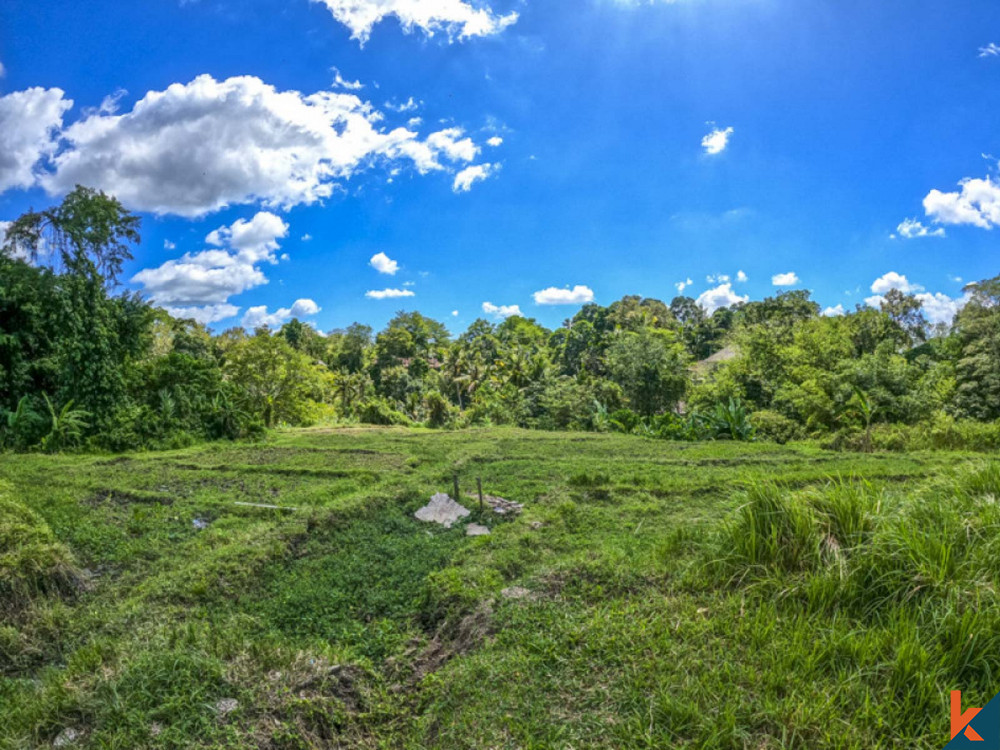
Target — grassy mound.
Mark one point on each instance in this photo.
(32, 562)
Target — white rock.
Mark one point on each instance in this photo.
(443, 510)
(474, 529)
(66, 737)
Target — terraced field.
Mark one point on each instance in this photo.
(282, 595)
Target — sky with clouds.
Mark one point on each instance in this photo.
(339, 160)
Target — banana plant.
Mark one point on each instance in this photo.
(67, 425)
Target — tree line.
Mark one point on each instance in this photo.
(84, 363)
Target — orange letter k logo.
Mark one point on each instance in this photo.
(960, 721)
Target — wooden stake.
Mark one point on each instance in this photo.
(454, 478)
(479, 486)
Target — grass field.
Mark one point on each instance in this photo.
(651, 594)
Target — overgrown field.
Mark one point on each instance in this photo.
(652, 594)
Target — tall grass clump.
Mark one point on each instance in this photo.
(33, 563)
(771, 530)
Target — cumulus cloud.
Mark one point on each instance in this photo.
(976, 203)
(717, 278)
(29, 124)
(720, 296)
(910, 229)
(454, 313)
(741, 277)
(469, 176)
(682, 285)
(258, 316)
(785, 279)
(936, 307)
(389, 293)
(455, 18)
(578, 295)
(494, 141)
(893, 280)
(990, 50)
(834, 312)
(383, 264)
(198, 285)
(205, 314)
(255, 240)
(716, 141)
(498, 311)
(201, 146)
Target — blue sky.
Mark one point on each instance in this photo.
(560, 146)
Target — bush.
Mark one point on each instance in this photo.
(771, 425)
(381, 411)
(440, 412)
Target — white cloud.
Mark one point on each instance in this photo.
(168, 245)
(834, 312)
(306, 237)
(716, 141)
(940, 308)
(342, 83)
(893, 280)
(578, 295)
(200, 284)
(990, 50)
(741, 277)
(202, 146)
(455, 18)
(3, 70)
(206, 313)
(454, 313)
(258, 316)
(29, 125)
(465, 179)
(389, 293)
(494, 141)
(977, 203)
(682, 285)
(717, 278)
(409, 105)
(383, 264)
(785, 279)
(498, 311)
(910, 229)
(936, 307)
(721, 296)
(255, 240)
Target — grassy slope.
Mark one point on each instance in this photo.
(622, 642)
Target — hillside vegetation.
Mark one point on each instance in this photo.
(651, 594)
(85, 364)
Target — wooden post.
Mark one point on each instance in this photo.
(479, 486)
(454, 478)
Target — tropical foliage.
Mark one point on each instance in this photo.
(83, 362)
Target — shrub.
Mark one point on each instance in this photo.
(440, 412)
(380, 411)
(771, 425)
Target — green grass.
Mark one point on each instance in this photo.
(701, 595)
